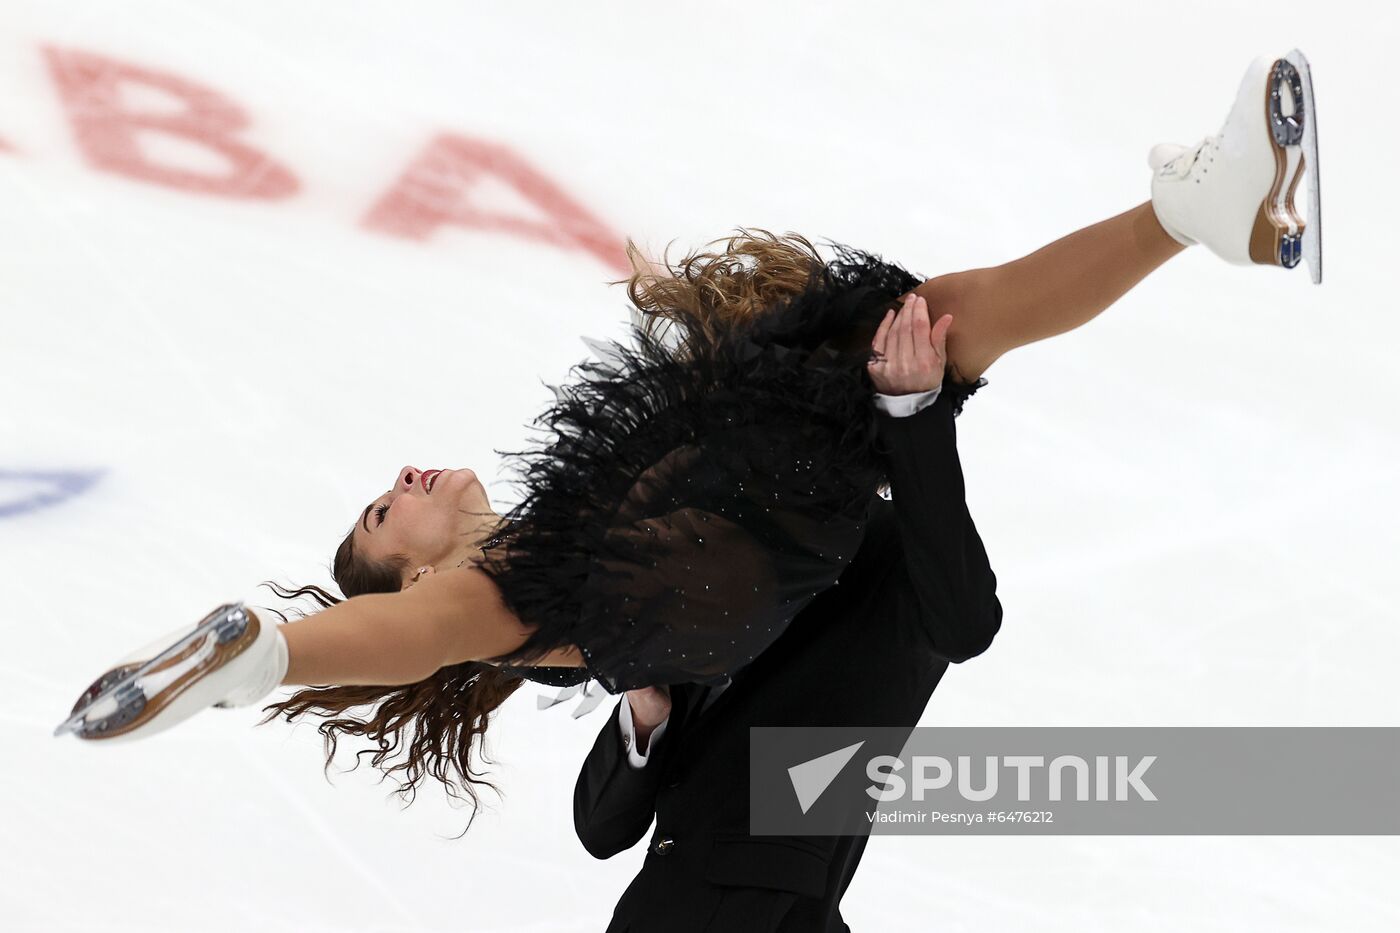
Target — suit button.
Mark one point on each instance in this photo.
(663, 845)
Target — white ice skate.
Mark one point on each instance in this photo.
(1234, 192)
(231, 658)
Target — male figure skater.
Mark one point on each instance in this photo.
(921, 581)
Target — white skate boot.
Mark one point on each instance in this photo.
(1234, 192)
(232, 658)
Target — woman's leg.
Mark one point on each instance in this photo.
(1053, 290)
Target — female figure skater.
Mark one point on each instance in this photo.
(698, 492)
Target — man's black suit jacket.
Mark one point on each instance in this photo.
(866, 652)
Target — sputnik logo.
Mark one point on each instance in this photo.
(811, 778)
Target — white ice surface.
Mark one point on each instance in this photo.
(1190, 503)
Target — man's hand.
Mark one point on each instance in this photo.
(909, 355)
(650, 708)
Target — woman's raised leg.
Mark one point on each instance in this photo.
(1054, 289)
(1233, 192)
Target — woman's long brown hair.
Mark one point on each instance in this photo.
(437, 722)
(755, 269)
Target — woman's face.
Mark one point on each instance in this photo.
(428, 516)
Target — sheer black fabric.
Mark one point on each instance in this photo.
(687, 503)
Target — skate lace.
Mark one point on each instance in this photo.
(1184, 163)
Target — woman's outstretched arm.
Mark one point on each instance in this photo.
(405, 637)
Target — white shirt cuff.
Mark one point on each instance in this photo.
(902, 406)
(629, 735)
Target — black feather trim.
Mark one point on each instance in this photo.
(794, 376)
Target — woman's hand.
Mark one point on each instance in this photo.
(909, 354)
(650, 708)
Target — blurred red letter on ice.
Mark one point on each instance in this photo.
(109, 131)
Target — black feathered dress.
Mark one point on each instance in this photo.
(687, 502)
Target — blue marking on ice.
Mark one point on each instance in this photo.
(54, 486)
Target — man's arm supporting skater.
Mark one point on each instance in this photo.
(949, 574)
(614, 799)
(950, 577)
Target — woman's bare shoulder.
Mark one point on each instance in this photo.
(469, 617)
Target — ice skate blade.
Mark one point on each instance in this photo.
(120, 701)
(1281, 236)
(1276, 238)
(1312, 234)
